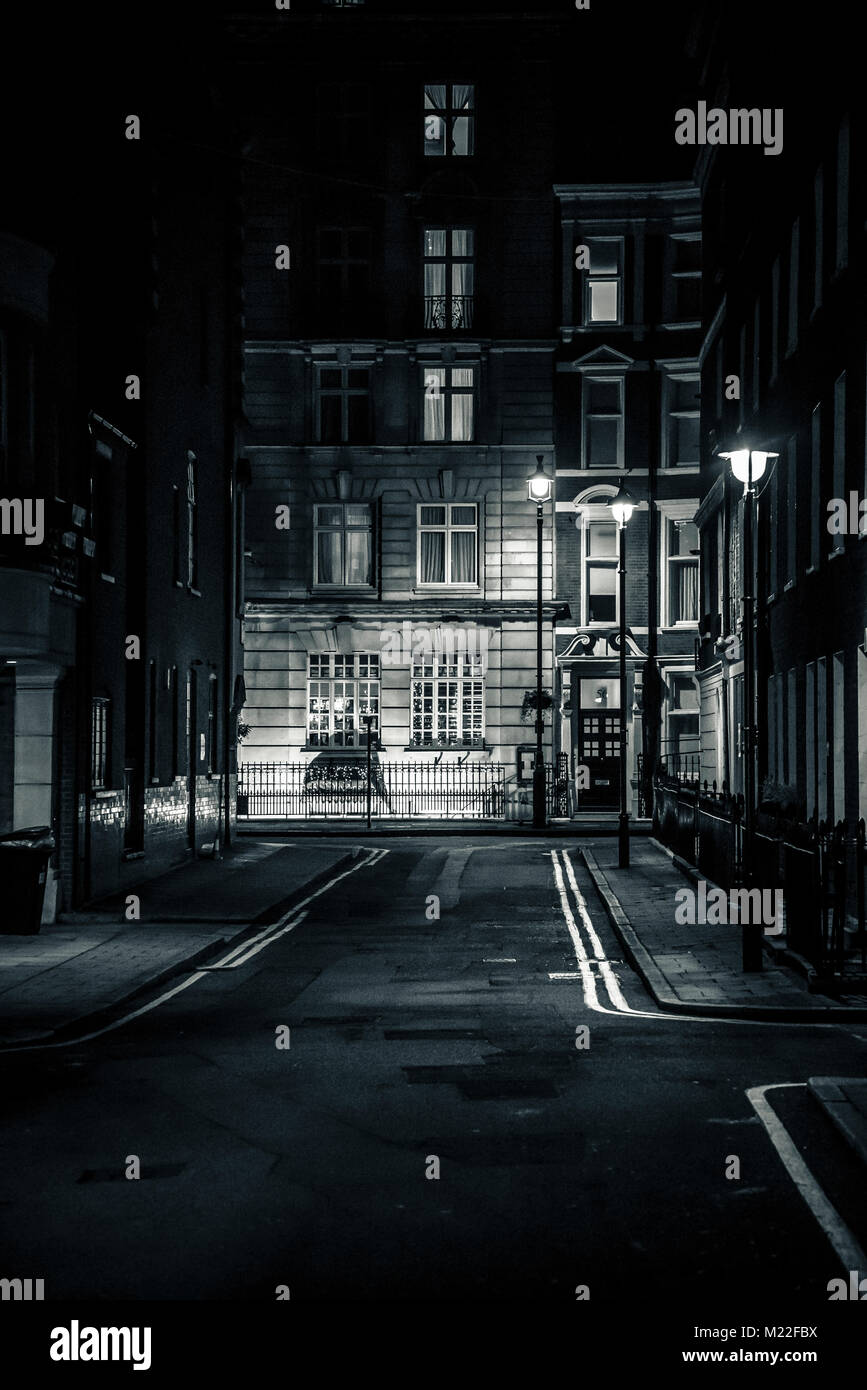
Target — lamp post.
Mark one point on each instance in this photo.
(539, 491)
(748, 466)
(622, 506)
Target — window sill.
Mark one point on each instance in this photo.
(102, 793)
(359, 590)
(447, 748)
(468, 590)
(336, 751)
(108, 578)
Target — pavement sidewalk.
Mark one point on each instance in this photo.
(697, 969)
(79, 970)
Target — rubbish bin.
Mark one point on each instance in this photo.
(24, 857)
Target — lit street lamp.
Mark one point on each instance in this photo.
(748, 466)
(622, 506)
(539, 491)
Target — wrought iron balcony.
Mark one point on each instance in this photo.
(448, 311)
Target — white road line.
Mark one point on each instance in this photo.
(845, 1246)
(266, 937)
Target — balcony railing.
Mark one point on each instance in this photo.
(448, 311)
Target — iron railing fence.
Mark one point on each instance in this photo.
(819, 866)
(334, 789)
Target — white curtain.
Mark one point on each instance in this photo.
(433, 557)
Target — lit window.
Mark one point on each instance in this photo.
(343, 405)
(449, 120)
(343, 544)
(448, 702)
(341, 690)
(682, 555)
(448, 542)
(682, 443)
(603, 282)
(448, 277)
(600, 571)
(99, 712)
(448, 404)
(602, 401)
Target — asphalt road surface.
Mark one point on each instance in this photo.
(439, 1127)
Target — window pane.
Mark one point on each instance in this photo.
(602, 539)
(433, 557)
(604, 257)
(462, 241)
(687, 253)
(462, 416)
(462, 377)
(358, 420)
(601, 602)
(684, 693)
(435, 282)
(464, 516)
(357, 514)
(434, 417)
(358, 555)
(463, 97)
(328, 516)
(462, 135)
(329, 378)
(684, 394)
(683, 538)
(686, 440)
(601, 442)
(358, 378)
(463, 557)
(330, 416)
(435, 241)
(433, 516)
(328, 547)
(603, 301)
(434, 135)
(435, 96)
(603, 397)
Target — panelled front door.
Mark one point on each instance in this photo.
(598, 742)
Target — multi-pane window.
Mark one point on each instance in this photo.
(600, 571)
(602, 401)
(448, 541)
(341, 690)
(682, 557)
(448, 701)
(343, 270)
(449, 120)
(448, 277)
(343, 544)
(343, 405)
(344, 122)
(682, 718)
(686, 277)
(449, 397)
(603, 282)
(192, 520)
(683, 420)
(99, 713)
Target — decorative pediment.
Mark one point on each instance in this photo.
(601, 645)
(603, 358)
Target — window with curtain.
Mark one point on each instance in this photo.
(449, 395)
(682, 440)
(448, 542)
(342, 688)
(683, 546)
(448, 702)
(448, 277)
(343, 544)
(449, 120)
(602, 418)
(343, 404)
(602, 284)
(600, 571)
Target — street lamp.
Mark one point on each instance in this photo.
(539, 491)
(622, 506)
(748, 466)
